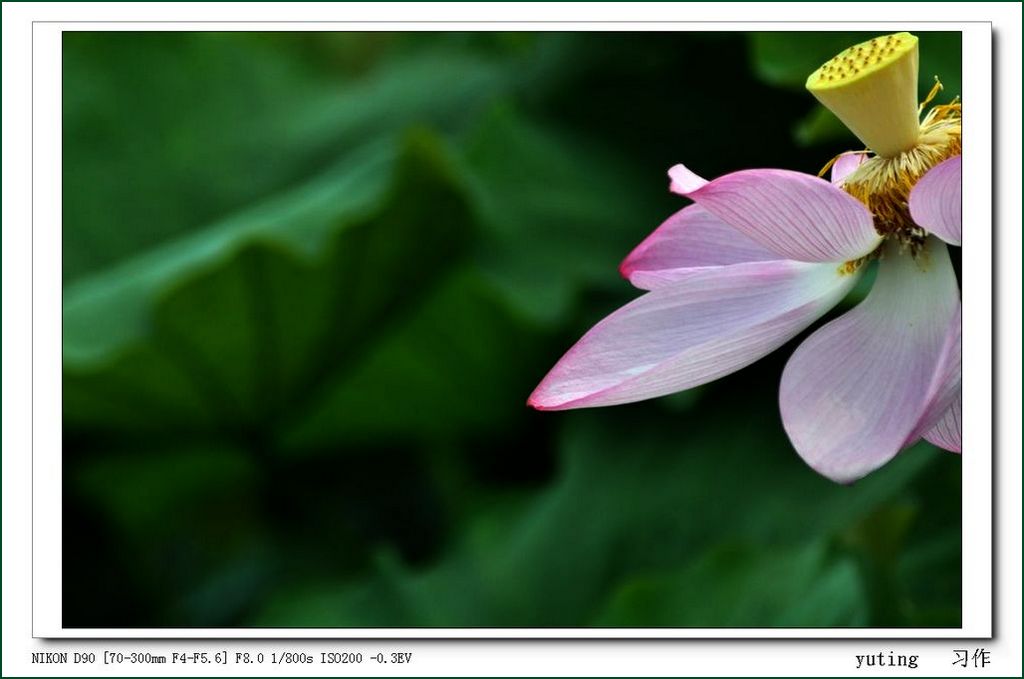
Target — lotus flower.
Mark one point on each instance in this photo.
(762, 254)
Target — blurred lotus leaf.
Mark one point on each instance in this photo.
(627, 535)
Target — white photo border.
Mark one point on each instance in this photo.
(47, 413)
(46, 321)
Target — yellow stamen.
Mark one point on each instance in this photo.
(874, 92)
(854, 265)
(932, 93)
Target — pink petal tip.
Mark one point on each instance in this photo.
(684, 181)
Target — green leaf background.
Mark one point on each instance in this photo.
(310, 280)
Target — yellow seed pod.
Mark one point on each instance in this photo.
(872, 88)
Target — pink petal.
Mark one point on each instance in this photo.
(844, 165)
(935, 201)
(690, 238)
(945, 387)
(702, 327)
(946, 433)
(854, 392)
(796, 215)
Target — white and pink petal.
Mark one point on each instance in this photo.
(946, 432)
(935, 201)
(845, 164)
(702, 327)
(855, 392)
(798, 216)
(945, 386)
(689, 240)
